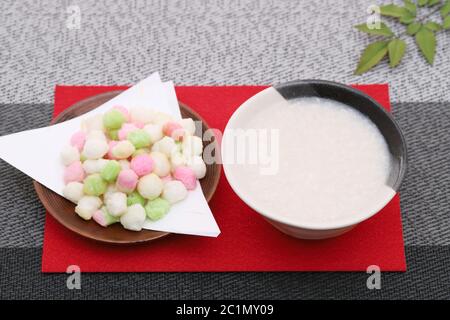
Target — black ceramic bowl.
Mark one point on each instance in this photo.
(333, 91)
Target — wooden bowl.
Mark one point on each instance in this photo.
(64, 211)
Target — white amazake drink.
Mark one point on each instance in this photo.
(333, 163)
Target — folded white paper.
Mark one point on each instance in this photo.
(37, 154)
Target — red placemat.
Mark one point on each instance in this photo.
(247, 242)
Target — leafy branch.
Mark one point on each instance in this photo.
(392, 45)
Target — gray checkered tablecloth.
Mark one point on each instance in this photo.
(219, 43)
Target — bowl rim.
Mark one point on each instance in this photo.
(344, 223)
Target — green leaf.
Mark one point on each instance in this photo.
(413, 28)
(446, 23)
(383, 30)
(445, 10)
(410, 6)
(433, 26)
(426, 41)
(433, 2)
(422, 2)
(392, 10)
(407, 18)
(371, 56)
(396, 50)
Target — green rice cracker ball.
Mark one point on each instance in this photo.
(110, 171)
(157, 208)
(113, 134)
(139, 138)
(94, 185)
(135, 198)
(113, 119)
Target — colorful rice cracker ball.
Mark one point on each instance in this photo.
(197, 165)
(174, 130)
(123, 150)
(135, 198)
(92, 123)
(69, 155)
(142, 115)
(162, 164)
(87, 206)
(113, 134)
(150, 186)
(103, 218)
(192, 146)
(113, 119)
(96, 134)
(142, 164)
(73, 191)
(154, 131)
(177, 159)
(94, 166)
(174, 191)
(187, 176)
(139, 138)
(95, 149)
(188, 125)
(74, 173)
(116, 203)
(125, 130)
(133, 219)
(78, 139)
(157, 208)
(110, 171)
(124, 112)
(127, 181)
(94, 185)
(166, 145)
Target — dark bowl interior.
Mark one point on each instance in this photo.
(363, 103)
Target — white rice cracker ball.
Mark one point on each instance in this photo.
(174, 191)
(142, 115)
(188, 125)
(150, 186)
(96, 134)
(92, 123)
(110, 190)
(197, 165)
(95, 149)
(69, 155)
(123, 149)
(116, 203)
(124, 164)
(162, 164)
(94, 166)
(192, 146)
(73, 191)
(134, 218)
(177, 159)
(166, 145)
(87, 205)
(154, 131)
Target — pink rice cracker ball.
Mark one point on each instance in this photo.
(127, 181)
(112, 144)
(125, 130)
(124, 112)
(174, 130)
(139, 124)
(142, 164)
(186, 176)
(74, 173)
(78, 139)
